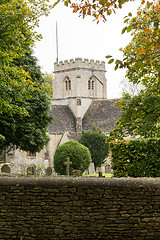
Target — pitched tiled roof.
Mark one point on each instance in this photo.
(101, 113)
(63, 120)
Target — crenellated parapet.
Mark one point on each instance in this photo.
(79, 63)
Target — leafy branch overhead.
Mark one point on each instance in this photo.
(98, 9)
(145, 45)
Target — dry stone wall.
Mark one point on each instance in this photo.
(79, 208)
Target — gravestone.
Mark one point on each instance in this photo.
(31, 170)
(108, 169)
(91, 169)
(48, 171)
(5, 168)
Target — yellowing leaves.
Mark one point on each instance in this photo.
(147, 30)
(142, 51)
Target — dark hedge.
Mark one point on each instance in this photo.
(136, 158)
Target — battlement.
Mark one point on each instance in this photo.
(79, 63)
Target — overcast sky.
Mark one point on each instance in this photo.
(84, 38)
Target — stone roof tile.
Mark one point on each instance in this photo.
(63, 119)
(101, 113)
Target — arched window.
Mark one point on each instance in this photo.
(92, 84)
(91, 87)
(67, 85)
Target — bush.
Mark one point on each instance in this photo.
(95, 140)
(78, 154)
(136, 158)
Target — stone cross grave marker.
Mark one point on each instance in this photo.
(67, 163)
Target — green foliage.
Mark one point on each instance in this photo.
(18, 18)
(95, 140)
(2, 157)
(49, 79)
(78, 154)
(141, 55)
(136, 158)
(17, 21)
(28, 131)
(141, 114)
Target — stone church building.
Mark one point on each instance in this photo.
(79, 102)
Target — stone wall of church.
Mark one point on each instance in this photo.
(79, 208)
(19, 161)
(55, 141)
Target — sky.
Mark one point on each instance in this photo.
(84, 38)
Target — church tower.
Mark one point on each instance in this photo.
(76, 83)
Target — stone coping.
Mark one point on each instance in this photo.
(137, 183)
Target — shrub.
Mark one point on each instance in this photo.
(95, 140)
(136, 158)
(78, 154)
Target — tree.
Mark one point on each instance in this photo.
(28, 131)
(18, 19)
(78, 154)
(49, 79)
(95, 140)
(141, 114)
(141, 56)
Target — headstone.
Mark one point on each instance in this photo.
(108, 169)
(48, 171)
(5, 168)
(76, 173)
(67, 163)
(91, 169)
(31, 170)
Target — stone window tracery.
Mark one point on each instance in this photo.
(67, 85)
(91, 87)
(92, 84)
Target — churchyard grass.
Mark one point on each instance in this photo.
(96, 175)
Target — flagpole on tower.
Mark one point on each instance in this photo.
(57, 41)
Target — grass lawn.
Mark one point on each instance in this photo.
(96, 175)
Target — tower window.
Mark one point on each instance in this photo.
(89, 84)
(92, 85)
(67, 85)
